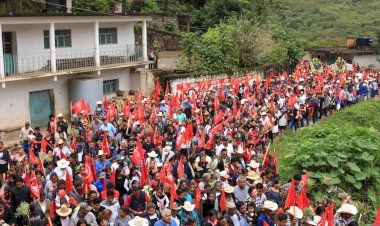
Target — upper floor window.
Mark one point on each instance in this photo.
(107, 36)
(62, 38)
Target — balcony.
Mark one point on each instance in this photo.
(71, 61)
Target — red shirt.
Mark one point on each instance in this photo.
(127, 202)
(103, 195)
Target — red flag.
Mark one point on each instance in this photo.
(377, 219)
(111, 112)
(74, 144)
(72, 201)
(218, 117)
(162, 175)
(228, 119)
(33, 159)
(180, 168)
(89, 174)
(136, 157)
(210, 141)
(52, 209)
(181, 139)
(274, 160)
(223, 202)
(291, 198)
(304, 180)
(198, 198)
(69, 183)
(113, 177)
(138, 96)
(189, 132)
(62, 156)
(87, 110)
(216, 128)
(105, 104)
(201, 141)
(167, 88)
(105, 146)
(237, 116)
(41, 165)
(330, 216)
(216, 104)
(173, 193)
(79, 106)
(302, 200)
(34, 190)
(292, 100)
(44, 143)
(144, 175)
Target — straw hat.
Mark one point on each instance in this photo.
(176, 207)
(188, 206)
(230, 205)
(295, 211)
(166, 150)
(63, 163)
(310, 222)
(269, 205)
(240, 150)
(99, 102)
(348, 208)
(138, 221)
(228, 188)
(253, 164)
(100, 152)
(159, 114)
(224, 174)
(252, 175)
(64, 211)
(60, 141)
(152, 154)
(59, 115)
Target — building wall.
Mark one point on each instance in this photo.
(366, 60)
(30, 42)
(15, 97)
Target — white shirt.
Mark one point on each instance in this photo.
(230, 149)
(65, 221)
(65, 150)
(62, 173)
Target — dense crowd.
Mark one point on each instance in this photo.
(191, 157)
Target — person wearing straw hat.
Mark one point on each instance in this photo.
(63, 215)
(63, 166)
(230, 197)
(268, 215)
(295, 214)
(138, 221)
(102, 164)
(345, 214)
(174, 213)
(61, 148)
(188, 212)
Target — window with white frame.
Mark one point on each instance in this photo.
(107, 36)
(62, 38)
(110, 86)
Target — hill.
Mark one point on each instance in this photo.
(329, 22)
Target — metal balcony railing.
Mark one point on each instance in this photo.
(34, 64)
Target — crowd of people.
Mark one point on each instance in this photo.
(189, 158)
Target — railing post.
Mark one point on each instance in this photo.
(53, 59)
(145, 41)
(97, 49)
(2, 71)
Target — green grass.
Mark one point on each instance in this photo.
(332, 19)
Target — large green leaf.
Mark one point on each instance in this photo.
(349, 178)
(330, 180)
(333, 161)
(353, 167)
(358, 185)
(316, 175)
(340, 155)
(360, 176)
(367, 157)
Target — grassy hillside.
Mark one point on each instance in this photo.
(343, 150)
(332, 20)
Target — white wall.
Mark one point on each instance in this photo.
(366, 60)
(30, 41)
(15, 97)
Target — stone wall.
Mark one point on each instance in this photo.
(164, 41)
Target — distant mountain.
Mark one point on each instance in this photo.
(331, 21)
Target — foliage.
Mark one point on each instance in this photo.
(94, 5)
(239, 43)
(343, 151)
(324, 22)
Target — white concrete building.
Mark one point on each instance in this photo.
(39, 56)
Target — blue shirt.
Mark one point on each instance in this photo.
(239, 220)
(109, 128)
(99, 165)
(262, 218)
(161, 223)
(99, 185)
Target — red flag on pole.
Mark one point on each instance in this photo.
(304, 180)
(291, 198)
(34, 190)
(113, 177)
(223, 202)
(216, 128)
(330, 215)
(377, 218)
(52, 209)
(162, 175)
(218, 117)
(180, 168)
(198, 198)
(173, 193)
(105, 104)
(136, 157)
(74, 144)
(33, 159)
(79, 106)
(105, 146)
(201, 141)
(62, 156)
(302, 200)
(144, 175)
(69, 183)
(44, 143)
(89, 174)
(265, 223)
